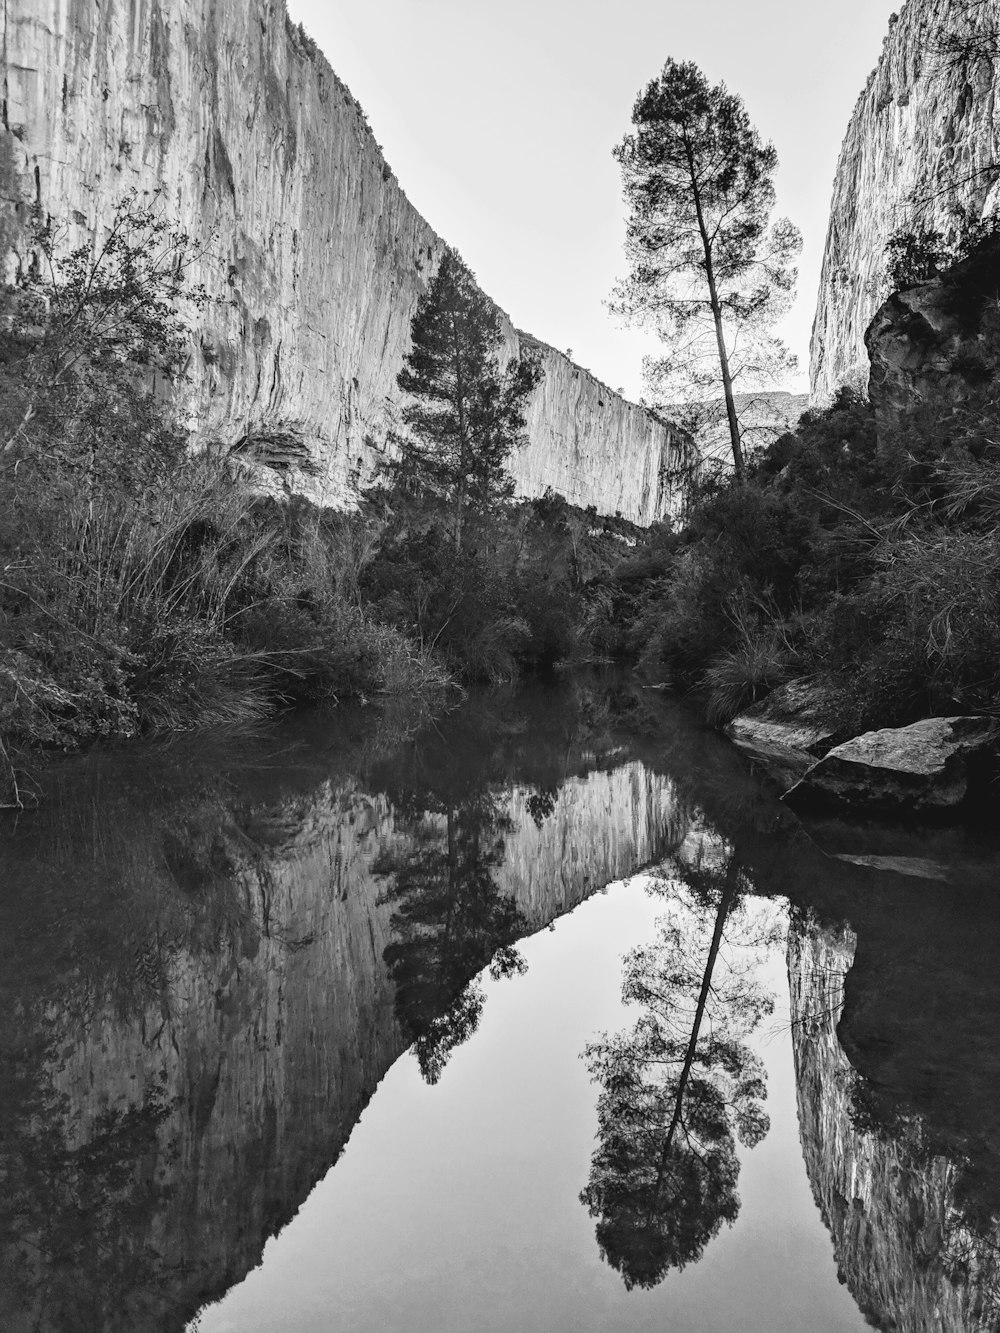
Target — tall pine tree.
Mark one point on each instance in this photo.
(465, 410)
(708, 269)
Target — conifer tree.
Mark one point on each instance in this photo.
(465, 412)
(707, 267)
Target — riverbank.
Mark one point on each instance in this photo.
(143, 590)
(146, 590)
(146, 599)
(862, 549)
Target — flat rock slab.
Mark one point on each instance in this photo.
(913, 866)
(786, 731)
(786, 764)
(927, 766)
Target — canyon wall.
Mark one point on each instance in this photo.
(313, 255)
(924, 138)
(184, 1118)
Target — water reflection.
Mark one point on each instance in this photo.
(211, 953)
(897, 1103)
(683, 1085)
(450, 920)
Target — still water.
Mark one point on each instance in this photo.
(542, 1015)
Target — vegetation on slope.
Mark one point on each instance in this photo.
(862, 552)
(145, 589)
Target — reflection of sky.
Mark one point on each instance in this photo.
(455, 1208)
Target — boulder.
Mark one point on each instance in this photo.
(785, 732)
(929, 766)
(935, 343)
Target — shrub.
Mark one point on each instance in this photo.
(922, 633)
(191, 603)
(742, 675)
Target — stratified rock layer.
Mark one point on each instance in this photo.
(923, 138)
(314, 255)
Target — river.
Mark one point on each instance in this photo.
(544, 1014)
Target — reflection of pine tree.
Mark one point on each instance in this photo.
(677, 1091)
(451, 920)
(76, 1217)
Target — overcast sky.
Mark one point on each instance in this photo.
(499, 119)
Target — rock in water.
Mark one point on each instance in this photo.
(929, 766)
(785, 732)
(912, 866)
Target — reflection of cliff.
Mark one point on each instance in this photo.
(890, 1204)
(316, 258)
(174, 1101)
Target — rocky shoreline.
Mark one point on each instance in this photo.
(937, 767)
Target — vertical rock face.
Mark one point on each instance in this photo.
(313, 255)
(923, 139)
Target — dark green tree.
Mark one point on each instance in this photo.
(465, 409)
(708, 268)
(677, 1091)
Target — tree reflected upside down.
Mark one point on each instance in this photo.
(682, 1086)
(450, 921)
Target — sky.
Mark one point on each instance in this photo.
(499, 121)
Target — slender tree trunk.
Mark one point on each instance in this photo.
(461, 493)
(452, 878)
(725, 905)
(739, 466)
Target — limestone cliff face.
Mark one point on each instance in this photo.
(314, 255)
(890, 1208)
(262, 1053)
(924, 137)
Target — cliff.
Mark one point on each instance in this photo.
(314, 257)
(923, 140)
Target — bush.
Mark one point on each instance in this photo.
(743, 675)
(515, 597)
(187, 604)
(142, 589)
(922, 633)
(876, 566)
(745, 553)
